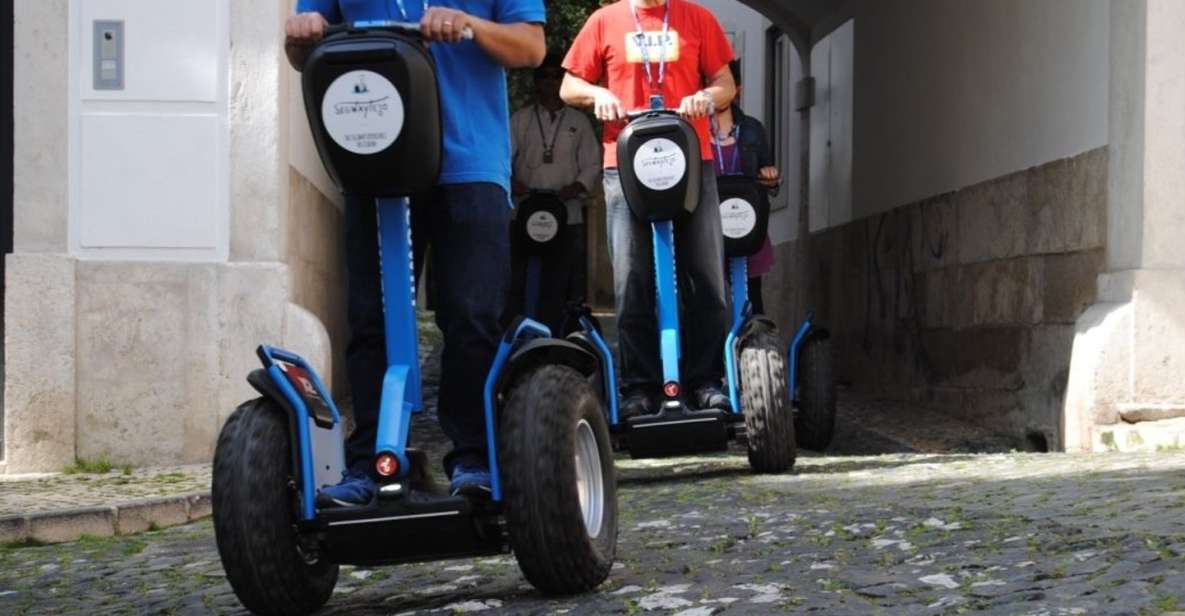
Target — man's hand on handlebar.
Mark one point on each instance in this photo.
(571, 191)
(698, 105)
(303, 31)
(445, 25)
(305, 28)
(607, 106)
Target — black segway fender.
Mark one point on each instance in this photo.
(262, 383)
(326, 442)
(756, 325)
(815, 333)
(546, 351)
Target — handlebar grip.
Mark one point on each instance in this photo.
(640, 113)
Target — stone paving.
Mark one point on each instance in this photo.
(903, 533)
(895, 534)
(22, 495)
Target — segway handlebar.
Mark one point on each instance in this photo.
(401, 27)
(641, 113)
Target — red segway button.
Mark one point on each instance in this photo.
(671, 390)
(386, 465)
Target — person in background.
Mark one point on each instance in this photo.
(468, 222)
(744, 150)
(627, 55)
(554, 148)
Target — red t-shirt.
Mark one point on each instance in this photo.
(606, 53)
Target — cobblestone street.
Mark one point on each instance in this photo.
(902, 533)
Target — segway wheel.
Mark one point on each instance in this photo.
(560, 491)
(769, 420)
(814, 422)
(254, 517)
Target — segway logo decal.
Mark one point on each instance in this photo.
(363, 112)
(306, 389)
(738, 218)
(660, 164)
(542, 227)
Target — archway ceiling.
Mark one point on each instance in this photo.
(799, 16)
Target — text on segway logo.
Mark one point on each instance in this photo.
(738, 218)
(362, 112)
(660, 164)
(542, 227)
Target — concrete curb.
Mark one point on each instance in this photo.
(105, 521)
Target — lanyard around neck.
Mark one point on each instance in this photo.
(403, 9)
(736, 150)
(640, 37)
(555, 133)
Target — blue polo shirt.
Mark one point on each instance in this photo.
(473, 94)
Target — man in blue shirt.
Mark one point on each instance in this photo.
(465, 219)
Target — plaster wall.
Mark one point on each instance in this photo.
(40, 125)
(951, 93)
(148, 358)
(316, 267)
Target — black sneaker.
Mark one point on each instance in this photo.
(711, 397)
(636, 400)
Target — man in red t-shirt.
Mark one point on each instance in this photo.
(626, 53)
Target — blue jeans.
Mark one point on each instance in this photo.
(699, 251)
(467, 226)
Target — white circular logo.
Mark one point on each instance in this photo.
(738, 218)
(542, 226)
(362, 112)
(660, 164)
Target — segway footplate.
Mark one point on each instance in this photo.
(413, 528)
(676, 431)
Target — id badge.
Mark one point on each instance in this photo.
(548, 157)
(657, 102)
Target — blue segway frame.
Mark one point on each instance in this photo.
(606, 357)
(526, 328)
(272, 357)
(402, 388)
(663, 233)
(738, 268)
(792, 354)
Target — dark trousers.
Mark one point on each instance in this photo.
(755, 298)
(563, 278)
(699, 255)
(467, 226)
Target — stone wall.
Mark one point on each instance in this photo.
(964, 302)
(316, 266)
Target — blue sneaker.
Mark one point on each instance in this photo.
(355, 489)
(470, 480)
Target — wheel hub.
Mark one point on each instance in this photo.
(590, 483)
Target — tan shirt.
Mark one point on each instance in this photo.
(576, 157)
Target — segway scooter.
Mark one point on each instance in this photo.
(753, 362)
(753, 342)
(658, 154)
(374, 108)
(751, 350)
